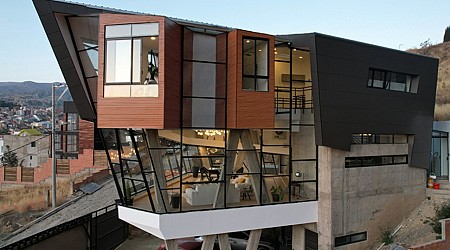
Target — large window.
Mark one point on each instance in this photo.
(132, 60)
(255, 66)
(384, 79)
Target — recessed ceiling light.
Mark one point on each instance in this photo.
(300, 57)
(260, 50)
(276, 52)
(275, 49)
(295, 49)
(153, 38)
(247, 41)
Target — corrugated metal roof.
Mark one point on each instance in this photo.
(180, 21)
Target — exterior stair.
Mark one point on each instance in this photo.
(441, 194)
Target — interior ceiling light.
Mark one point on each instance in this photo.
(247, 41)
(276, 52)
(295, 49)
(209, 132)
(300, 57)
(153, 38)
(260, 50)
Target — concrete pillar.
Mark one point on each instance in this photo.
(171, 244)
(233, 140)
(324, 224)
(253, 240)
(254, 167)
(208, 242)
(298, 237)
(159, 178)
(224, 242)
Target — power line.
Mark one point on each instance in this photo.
(45, 136)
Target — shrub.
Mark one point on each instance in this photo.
(442, 212)
(386, 237)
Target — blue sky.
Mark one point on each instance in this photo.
(25, 53)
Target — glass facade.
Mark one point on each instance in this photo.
(191, 170)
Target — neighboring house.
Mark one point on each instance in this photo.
(31, 147)
(211, 129)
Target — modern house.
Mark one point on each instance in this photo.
(211, 130)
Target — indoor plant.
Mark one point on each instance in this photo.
(277, 193)
(128, 198)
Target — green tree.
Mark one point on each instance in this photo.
(447, 34)
(10, 158)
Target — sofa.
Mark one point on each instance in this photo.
(204, 194)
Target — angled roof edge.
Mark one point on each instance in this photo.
(102, 9)
(316, 34)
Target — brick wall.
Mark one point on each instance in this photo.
(86, 135)
(2, 174)
(85, 160)
(444, 243)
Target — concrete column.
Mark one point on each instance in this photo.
(171, 244)
(298, 237)
(224, 242)
(159, 178)
(208, 242)
(253, 240)
(254, 167)
(324, 224)
(233, 140)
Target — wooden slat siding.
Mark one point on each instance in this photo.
(232, 78)
(255, 109)
(62, 166)
(172, 74)
(100, 158)
(10, 174)
(85, 135)
(27, 174)
(221, 47)
(124, 112)
(187, 78)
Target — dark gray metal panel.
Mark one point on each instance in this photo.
(46, 11)
(344, 104)
(69, 107)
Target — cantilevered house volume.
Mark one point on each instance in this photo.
(210, 129)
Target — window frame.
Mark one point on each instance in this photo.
(410, 86)
(132, 38)
(349, 239)
(255, 76)
(374, 161)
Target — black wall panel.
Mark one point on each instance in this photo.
(344, 105)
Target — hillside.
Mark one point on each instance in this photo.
(441, 51)
(29, 93)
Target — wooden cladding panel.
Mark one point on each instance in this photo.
(232, 78)
(143, 112)
(252, 109)
(172, 74)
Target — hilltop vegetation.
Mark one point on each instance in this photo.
(441, 51)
